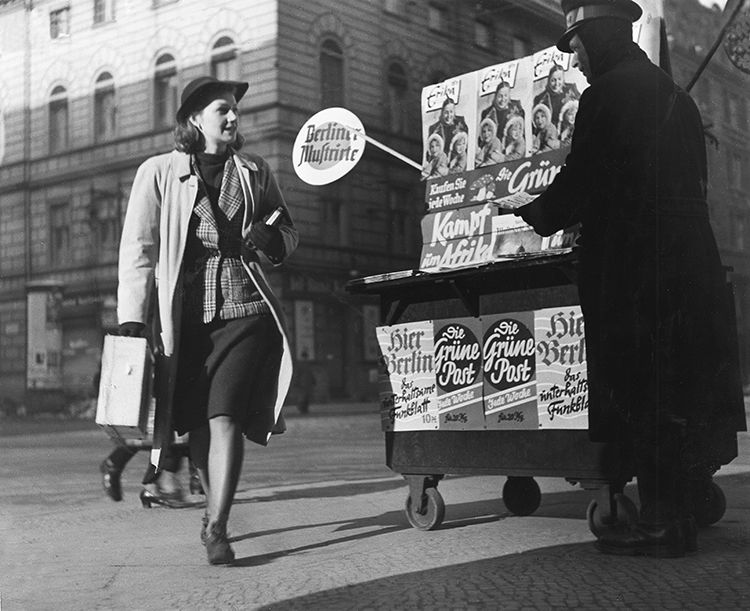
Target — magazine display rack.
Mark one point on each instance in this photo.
(424, 456)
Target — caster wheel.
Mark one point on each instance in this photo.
(626, 513)
(434, 511)
(521, 495)
(709, 504)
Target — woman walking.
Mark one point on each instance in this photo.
(196, 220)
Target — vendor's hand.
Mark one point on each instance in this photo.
(132, 329)
(268, 239)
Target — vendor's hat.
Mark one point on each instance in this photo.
(580, 11)
(196, 89)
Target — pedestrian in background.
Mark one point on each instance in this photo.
(197, 219)
(660, 331)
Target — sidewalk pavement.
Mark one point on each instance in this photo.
(345, 544)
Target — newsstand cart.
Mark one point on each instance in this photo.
(424, 457)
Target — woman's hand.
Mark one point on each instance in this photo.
(268, 239)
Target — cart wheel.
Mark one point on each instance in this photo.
(434, 510)
(521, 495)
(600, 523)
(709, 504)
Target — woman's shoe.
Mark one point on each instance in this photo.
(111, 480)
(195, 481)
(204, 528)
(164, 499)
(218, 549)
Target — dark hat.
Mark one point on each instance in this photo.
(578, 11)
(202, 85)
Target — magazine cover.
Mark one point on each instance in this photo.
(561, 368)
(556, 91)
(408, 397)
(509, 367)
(503, 112)
(458, 373)
(449, 126)
(457, 238)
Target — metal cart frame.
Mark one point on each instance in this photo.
(425, 457)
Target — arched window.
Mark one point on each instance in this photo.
(331, 74)
(224, 64)
(398, 85)
(58, 119)
(437, 76)
(105, 110)
(165, 91)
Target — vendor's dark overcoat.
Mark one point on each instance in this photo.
(660, 325)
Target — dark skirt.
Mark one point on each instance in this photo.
(226, 368)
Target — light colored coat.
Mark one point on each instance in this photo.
(154, 235)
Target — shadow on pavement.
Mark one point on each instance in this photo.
(323, 492)
(565, 576)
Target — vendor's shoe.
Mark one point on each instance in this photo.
(111, 480)
(218, 549)
(664, 541)
(690, 533)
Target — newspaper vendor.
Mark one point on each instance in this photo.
(660, 332)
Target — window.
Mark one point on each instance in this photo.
(334, 232)
(59, 23)
(738, 228)
(58, 119)
(397, 104)
(400, 230)
(104, 108)
(521, 47)
(59, 233)
(734, 170)
(438, 76)
(224, 64)
(105, 216)
(436, 18)
(331, 74)
(104, 10)
(483, 35)
(165, 91)
(395, 7)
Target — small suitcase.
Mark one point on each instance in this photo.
(125, 408)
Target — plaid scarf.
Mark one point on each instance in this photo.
(215, 283)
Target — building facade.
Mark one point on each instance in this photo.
(88, 90)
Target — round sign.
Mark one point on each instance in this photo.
(328, 146)
(509, 354)
(737, 42)
(458, 357)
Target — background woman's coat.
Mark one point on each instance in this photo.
(660, 326)
(153, 242)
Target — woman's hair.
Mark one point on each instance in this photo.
(490, 122)
(438, 137)
(448, 100)
(544, 109)
(513, 120)
(459, 136)
(189, 139)
(569, 105)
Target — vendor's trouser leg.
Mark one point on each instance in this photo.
(660, 478)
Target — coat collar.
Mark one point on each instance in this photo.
(183, 170)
